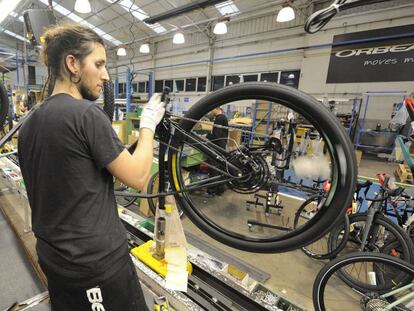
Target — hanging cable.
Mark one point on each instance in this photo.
(320, 18)
(133, 37)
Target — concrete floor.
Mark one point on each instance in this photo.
(292, 273)
(18, 280)
(371, 165)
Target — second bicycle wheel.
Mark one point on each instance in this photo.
(320, 249)
(249, 178)
(330, 293)
(389, 239)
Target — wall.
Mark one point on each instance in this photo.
(261, 44)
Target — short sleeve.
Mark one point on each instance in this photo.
(101, 138)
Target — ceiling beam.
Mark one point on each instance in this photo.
(200, 4)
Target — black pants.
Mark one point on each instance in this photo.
(119, 292)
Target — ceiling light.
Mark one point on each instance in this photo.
(121, 51)
(6, 7)
(220, 28)
(82, 6)
(291, 76)
(178, 38)
(285, 14)
(10, 33)
(144, 48)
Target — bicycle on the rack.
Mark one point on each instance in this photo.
(373, 231)
(380, 290)
(324, 248)
(245, 167)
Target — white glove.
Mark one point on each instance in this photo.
(152, 113)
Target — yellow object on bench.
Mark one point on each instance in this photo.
(144, 253)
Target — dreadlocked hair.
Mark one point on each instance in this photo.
(62, 40)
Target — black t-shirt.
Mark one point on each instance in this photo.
(64, 147)
(219, 134)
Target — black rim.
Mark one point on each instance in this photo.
(406, 250)
(335, 265)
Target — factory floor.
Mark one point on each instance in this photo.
(291, 274)
(18, 279)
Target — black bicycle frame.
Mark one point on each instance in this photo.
(373, 210)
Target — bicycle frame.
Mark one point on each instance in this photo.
(403, 299)
(373, 210)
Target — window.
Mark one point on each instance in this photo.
(121, 88)
(169, 83)
(250, 78)
(270, 77)
(134, 87)
(141, 87)
(290, 78)
(159, 86)
(190, 84)
(202, 84)
(230, 80)
(217, 82)
(147, 85)
(179, 84)
(32, 75)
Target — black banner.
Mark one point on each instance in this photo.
(381, 55)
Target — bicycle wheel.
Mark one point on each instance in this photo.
(321, 248)
(4, 105)
(262, 159)
(387, 232)
(330, 293)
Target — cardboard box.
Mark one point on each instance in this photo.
(358, 156)
(133, 137)
(120, 129)
(234, 139)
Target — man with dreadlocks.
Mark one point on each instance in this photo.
(68, 154)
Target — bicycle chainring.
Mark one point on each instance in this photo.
(255, 173)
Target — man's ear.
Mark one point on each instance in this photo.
(72, 64)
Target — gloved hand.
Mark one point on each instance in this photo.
(152, 113)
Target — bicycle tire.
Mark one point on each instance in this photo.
(108, 99)
(334, 266)
(406, 247)
(152, 204)
(338, 145)
(4, 105)
(331, 252)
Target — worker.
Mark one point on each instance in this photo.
(219, 136)
(69, 154)
(23, 105)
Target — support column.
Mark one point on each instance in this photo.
(210, 64)
(128, 89)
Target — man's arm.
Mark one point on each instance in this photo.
(133, 170)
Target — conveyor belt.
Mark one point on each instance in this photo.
(212, 293)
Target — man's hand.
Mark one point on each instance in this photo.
(152, 113)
